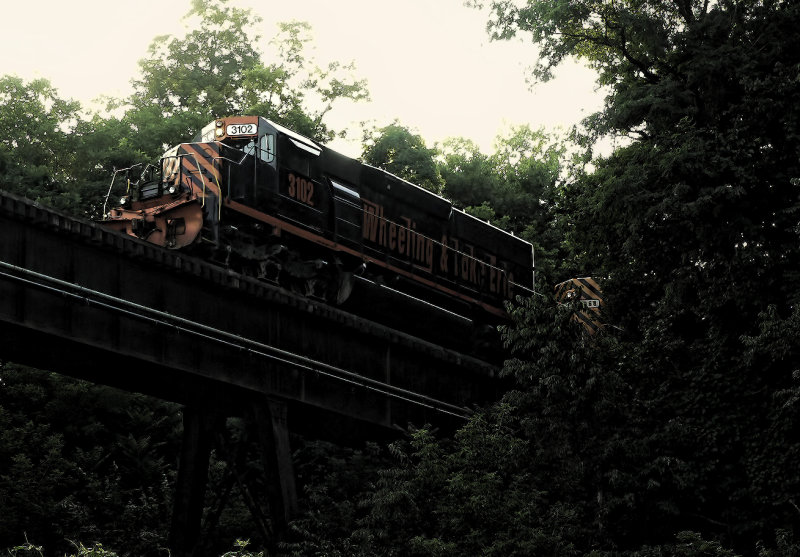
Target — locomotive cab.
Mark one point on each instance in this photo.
(247, 157)
(180, 201)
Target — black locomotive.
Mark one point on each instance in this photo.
(268, 201)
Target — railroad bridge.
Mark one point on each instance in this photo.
(78, 299)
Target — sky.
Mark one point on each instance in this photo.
(428, 63)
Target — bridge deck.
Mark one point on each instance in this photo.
(82, 300)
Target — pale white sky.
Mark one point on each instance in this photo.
(429, 63)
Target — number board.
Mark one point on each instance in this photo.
(241, 129)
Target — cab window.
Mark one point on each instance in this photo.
(267, 148)
(250, 148)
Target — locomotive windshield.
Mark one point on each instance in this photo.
(245, 134)
(264, 148)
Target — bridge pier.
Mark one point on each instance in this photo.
(202, 424)
(270, 421)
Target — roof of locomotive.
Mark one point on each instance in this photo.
(307, 143)
(318, 148)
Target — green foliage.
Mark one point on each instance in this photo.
(429, 503)
(784, 546)
(25, 550)
(32, 125)
(96, 550)
(689, 544)
(696, 227)
(215, 70)
(295, 91)
(35, 130)
(202, 72)
(242, 551)
(77, 462)
(333, 481)
(396, 149)
(693, 227)
(517, 188)
(621, 37)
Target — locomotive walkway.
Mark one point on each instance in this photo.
(81, 300)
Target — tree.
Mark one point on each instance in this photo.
(216, 69)
(294, 90)
(705, 89)
(396, 149)
(35, 155)
(517, 188)
(693, 226)
(470, 176)
(567, 463)
(80, 461)
(186, 82)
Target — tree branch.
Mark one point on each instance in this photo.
(685, 9)
(793, 504)
(644, 68)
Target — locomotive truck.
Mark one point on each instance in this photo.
(269, 202)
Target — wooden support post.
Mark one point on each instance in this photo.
(199, 424)
(270, 421)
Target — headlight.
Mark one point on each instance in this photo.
(219, 123)
(220, 132)
(172, 189)
(123, 200)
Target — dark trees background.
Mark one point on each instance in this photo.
(672, 432)
(83, 462)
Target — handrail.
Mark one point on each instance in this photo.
(145, 169)
(221, 158)
(111, 185)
